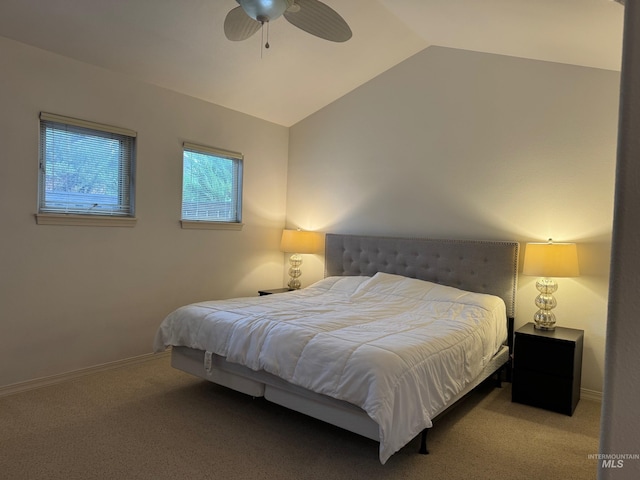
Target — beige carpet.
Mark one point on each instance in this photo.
(150, 421)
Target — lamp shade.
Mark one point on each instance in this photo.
(551, 260)
(298, 241)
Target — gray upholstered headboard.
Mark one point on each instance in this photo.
(477, 266)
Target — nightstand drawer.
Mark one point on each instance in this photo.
(544, 391)
(544, 355)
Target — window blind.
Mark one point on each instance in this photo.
(85, 168)
(211, 184)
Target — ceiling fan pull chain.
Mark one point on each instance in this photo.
(266, 45)
(263, 43)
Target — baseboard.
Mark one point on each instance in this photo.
(65, 377)
(593, 395)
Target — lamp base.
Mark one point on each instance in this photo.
(295, 261)
(545, 319)
(541, 326)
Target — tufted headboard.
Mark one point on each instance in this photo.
(477, 266)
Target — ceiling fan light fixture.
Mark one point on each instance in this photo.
(264, 10)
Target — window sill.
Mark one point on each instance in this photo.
(84, 220)
(203, 225)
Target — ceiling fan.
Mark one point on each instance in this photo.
(312, 16)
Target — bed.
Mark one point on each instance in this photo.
(399, 330)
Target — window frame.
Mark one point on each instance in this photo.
(52, 216)
(210, 224)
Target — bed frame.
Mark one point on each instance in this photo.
(477, 266)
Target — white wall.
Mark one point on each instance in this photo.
(458, 144)
(74, 297)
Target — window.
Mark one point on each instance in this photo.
(211, 187)
(85, 168)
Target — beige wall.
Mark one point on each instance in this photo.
(75, 297)
(457, 144)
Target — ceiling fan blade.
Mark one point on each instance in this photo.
(240, 26)
(319, 19)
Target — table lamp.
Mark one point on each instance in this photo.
(549, 260)
(298, 242)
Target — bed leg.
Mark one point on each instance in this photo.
(499, 377)
(423, 442)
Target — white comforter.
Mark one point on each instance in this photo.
(398, 348)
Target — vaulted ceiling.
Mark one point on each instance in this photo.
(180, 44)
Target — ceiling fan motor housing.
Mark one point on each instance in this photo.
(265, 10)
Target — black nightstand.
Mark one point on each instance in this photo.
(547, 367)
(274, 290)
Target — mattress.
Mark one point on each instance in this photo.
(398, 348)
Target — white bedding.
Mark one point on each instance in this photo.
(398, 348)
